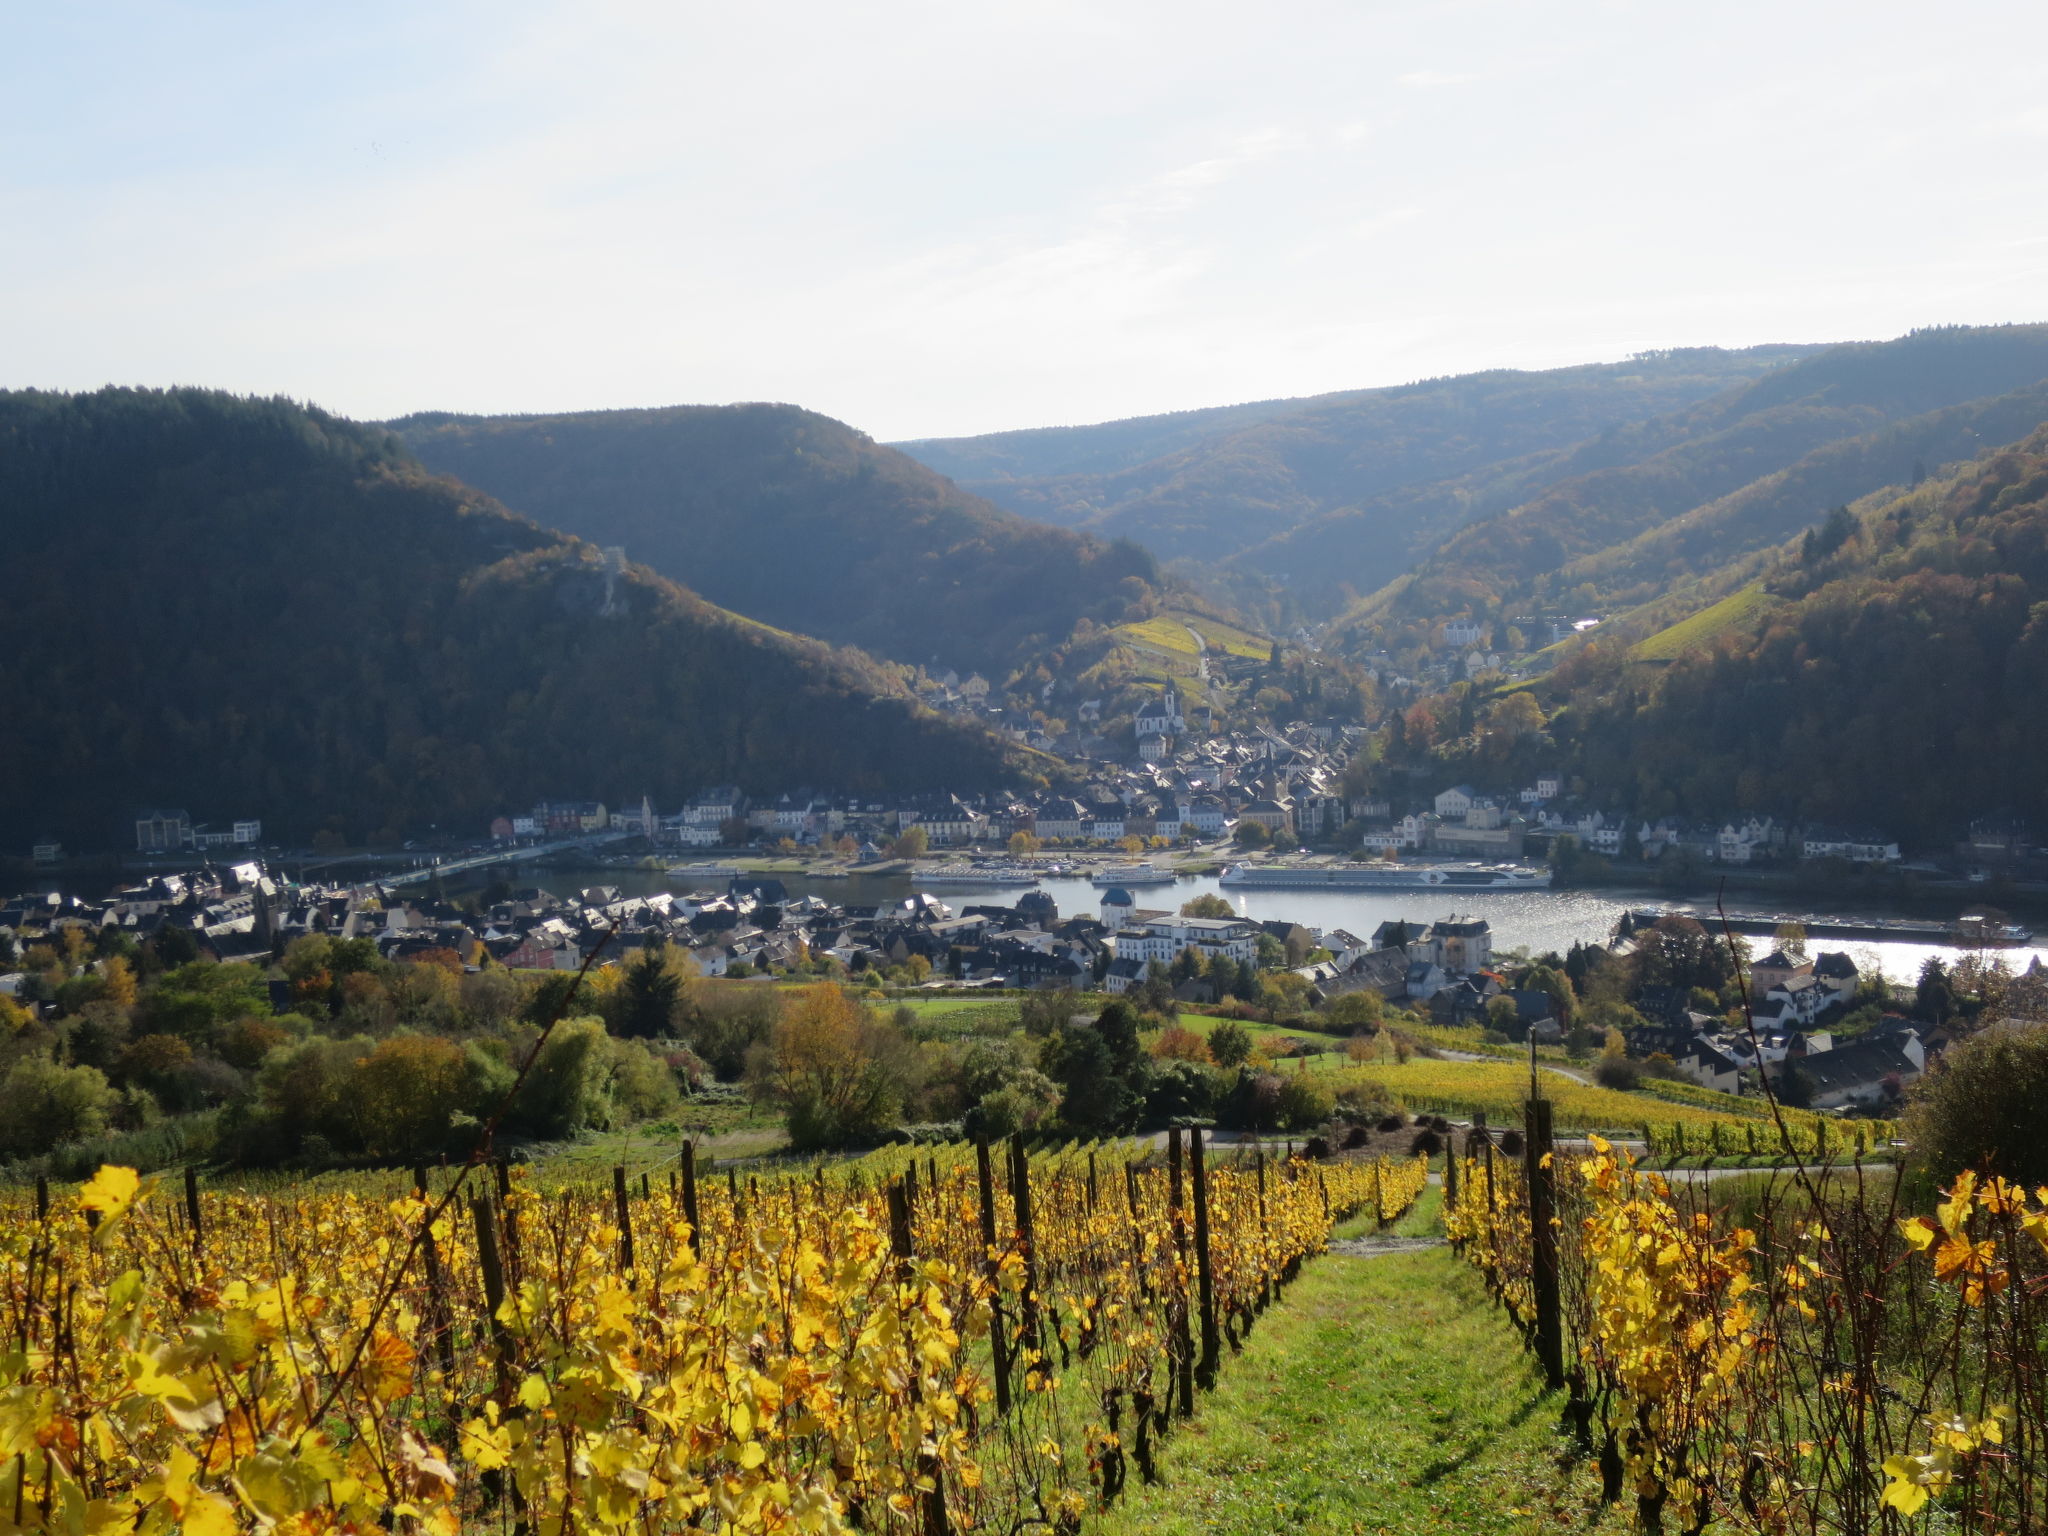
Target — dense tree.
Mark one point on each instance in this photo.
(444, 658)
(698, 492)
(1230, 1043)
(649, 1001)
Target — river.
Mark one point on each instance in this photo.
(1538, 920)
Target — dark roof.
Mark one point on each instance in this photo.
(1868, 1060)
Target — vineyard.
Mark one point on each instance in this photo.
(1498, 1091)
(1812, 1364)
(928, 1340)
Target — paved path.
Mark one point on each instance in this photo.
(1374, 1247)
(1451, 1055)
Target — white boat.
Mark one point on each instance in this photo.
(976, 875)
(1133, 874)
(704, 871)
(1391, 877)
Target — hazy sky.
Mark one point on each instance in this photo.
(956, 217)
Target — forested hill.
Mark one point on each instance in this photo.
(1888, 669)
(1660, 502)
(1211, 484)
(248, 608)
(799, 521)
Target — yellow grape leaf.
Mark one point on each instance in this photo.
(208, 1514)
(1918, 1231)
(1904, 1492)
(106, 1199)
(386, 1370)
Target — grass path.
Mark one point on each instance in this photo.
(1381, 1394)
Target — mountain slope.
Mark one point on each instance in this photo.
(257, 609)
(1670, 471)
(802, 522)
(1890, 671)
(1224, 491)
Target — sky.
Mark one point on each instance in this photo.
(933, 219)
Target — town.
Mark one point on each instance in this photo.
(1263, 793)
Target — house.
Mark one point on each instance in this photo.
(1460, 633)
(1838, 973)
(1461, 945)
(1773, 971)
(1270, 814)
(162, 831)
(1384, 971)
(1798, 1000)
(1859, 845)
(1163, 937)
(1123, 974)
(571, 818)
(1866, 1071)
(1425, 979)
(1453, 803)
(1410, 831)
(1709, 1065)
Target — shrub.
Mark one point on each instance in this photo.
(1985, 1106)
(1391, 1124)
(1304, 1102)
(1618, 1072)
(1426, 1143)
(1511, 1142)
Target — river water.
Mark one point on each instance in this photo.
(1538, 920)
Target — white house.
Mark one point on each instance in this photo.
(1453, 803)
(1858, 846)
(1459, 633)
(1164, 938)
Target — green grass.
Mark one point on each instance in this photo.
(720, 1130)
(1381, 1395)
(1698, 631)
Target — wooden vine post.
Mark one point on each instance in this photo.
(437, 1283)
(998, 1329)
(1183, 1345)
(928, 1469)
(1542, 1180)
(625, 1215)
(689, 1172)
(1027, 1242)
(192, 1205)
(1205, 1280)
